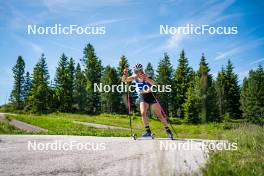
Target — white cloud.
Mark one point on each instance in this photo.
(138, 39)
(212, 11)
(242, 75)
(80, 5)
(227, 17)
(18, 19)
(27, 43)
(66, 46)
(224, 55)
(257, 61)
(110, 21)
(241, 48)
(175, 40)
(206, 14)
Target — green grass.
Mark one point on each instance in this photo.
(5, 128)
(62, 123)
(207, 131)
(247, 160)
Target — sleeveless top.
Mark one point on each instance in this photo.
(142, 85)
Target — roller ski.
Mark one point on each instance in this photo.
(149, 135)
(146, 135)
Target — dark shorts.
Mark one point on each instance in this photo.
(147, 98)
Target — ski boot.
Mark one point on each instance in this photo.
(169, 133)
(147, 134)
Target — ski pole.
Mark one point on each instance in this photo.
(129, 114)
(125, 72)
(164, 113)
(128, 102)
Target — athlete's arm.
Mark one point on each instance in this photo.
(125, 77)
(148, 79)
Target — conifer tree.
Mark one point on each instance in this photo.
(200, 103)
(149, 70)
(40, 99)
(213, 111)
(232, 92)
(252, 96)
(228, 93)
(93, 71)
(204, 83)
(70, 84)
(27, 87)
(79, 90)
(61, 84)
(192, 104)
(220, 87)
(164, 78)
(110, 100)
(17, 93)
(123, 63)
(180, 83)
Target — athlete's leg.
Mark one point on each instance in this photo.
(143, 111)
(158, 111)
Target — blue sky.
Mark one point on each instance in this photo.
(132, 29)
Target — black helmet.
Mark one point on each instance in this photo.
(138, 67)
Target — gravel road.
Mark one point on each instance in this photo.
(100, 156)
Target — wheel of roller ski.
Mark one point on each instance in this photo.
(171, 137)
(152, 136)
(134, 136)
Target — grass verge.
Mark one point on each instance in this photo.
(62, 123)
(5, 128)
(248, 159)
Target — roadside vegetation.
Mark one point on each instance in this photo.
(63, 123)
(6, 128)
(247, 160)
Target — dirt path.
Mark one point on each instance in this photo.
(2, 118)
(28, 127)
(116, 156)
(100, 125)
(22, 125)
